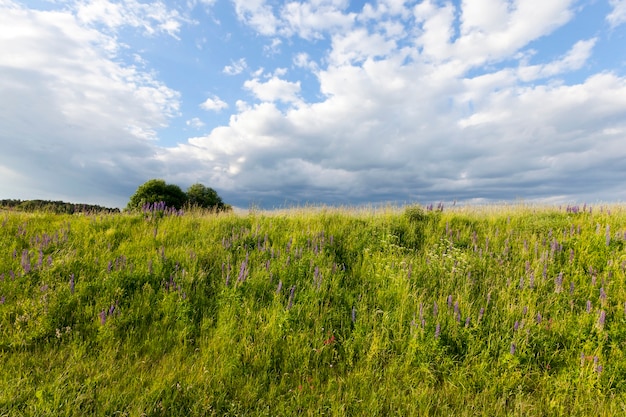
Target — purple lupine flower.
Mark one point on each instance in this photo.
(354, 315)
(26, 261)
(2, 300)
(531, 281)
(571, 255)
(450, 301)
(538, 318)
(571, 287)
(481, 313)
(467, 321)
(558, 283)
(437, 330)
(521, 282)
(72, 283)
(280, 286)
(588, 306)
(103, 317)
(524, 310)
(243, 270)
(457, 314)
(602, 318)
(608, 235)
(435, 309)
(292, 294)
(267, 265)
(512, 349)
(516, 325)
(602, 294)
(111, 309)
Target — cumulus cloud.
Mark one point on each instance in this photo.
(400, 101)
(214, 104)
(274, 89)
(424, 129)
(78, 122)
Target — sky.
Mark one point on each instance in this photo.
(335, 102)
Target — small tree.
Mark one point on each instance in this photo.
(201, 196)
(155, 191)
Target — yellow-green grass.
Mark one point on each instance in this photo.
(377, 311)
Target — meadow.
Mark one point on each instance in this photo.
(412, 311)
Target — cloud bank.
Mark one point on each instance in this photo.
(397, 101)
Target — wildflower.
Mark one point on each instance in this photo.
(2, 299)
(512, 348)
(437, 331)
(538, 318)
(602, 319)
(481, 313)
(602, 294)
(280, 287)
(26, 261)
(571, 287)
(291, 297)
(354, 315)
(608, 235)
(457, 314)
(516, 325)
(435, 309)
(558, 283)
(467, 321)
(588, 306)
(103, 317)
(449, 301)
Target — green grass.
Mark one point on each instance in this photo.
(314, 312)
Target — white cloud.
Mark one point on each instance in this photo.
(257, 14)
(573, 60)
(153, 17)
(274, 89)
(195, 123)
(311, 20)
(74, 117)
(618, 13)
(214, 104)
(236, 67)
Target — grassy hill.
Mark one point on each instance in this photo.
(491, 311)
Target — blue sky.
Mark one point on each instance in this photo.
(279, 103)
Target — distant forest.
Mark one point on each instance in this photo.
(54, 207)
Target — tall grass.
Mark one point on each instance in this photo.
(496, 311)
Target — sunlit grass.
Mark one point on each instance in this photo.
(482, 310)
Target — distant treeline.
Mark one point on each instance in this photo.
(54, 207)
